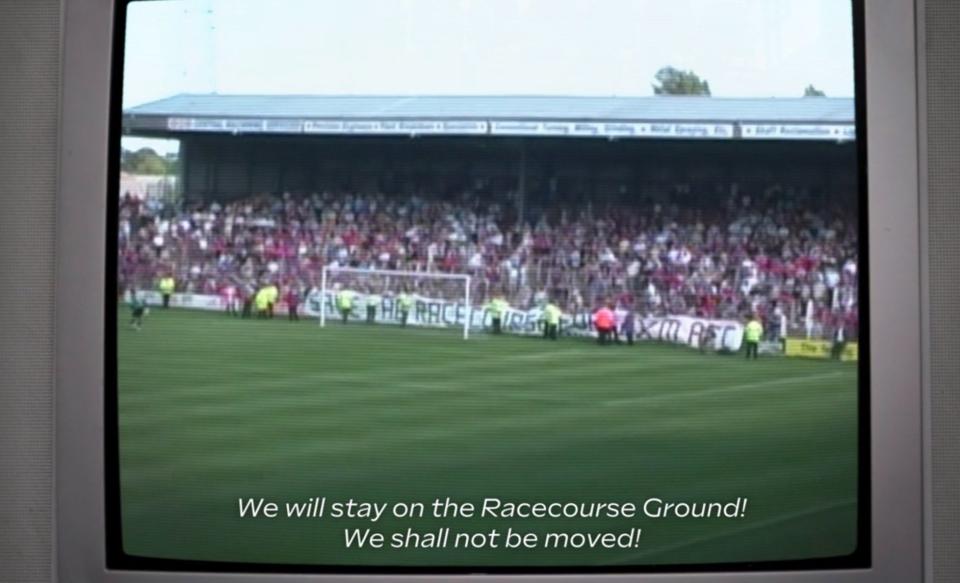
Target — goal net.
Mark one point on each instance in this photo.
(404, 298)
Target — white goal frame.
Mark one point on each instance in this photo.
(466, 279)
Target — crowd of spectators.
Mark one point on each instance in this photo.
(783, 256)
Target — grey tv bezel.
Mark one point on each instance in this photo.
(897, 391)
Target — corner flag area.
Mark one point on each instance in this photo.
(214, 408)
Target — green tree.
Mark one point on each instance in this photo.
(146, 161)
(812, 91)
(672, 81)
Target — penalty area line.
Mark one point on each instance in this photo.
(722, 389)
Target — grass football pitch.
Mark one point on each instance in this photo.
(214, 408)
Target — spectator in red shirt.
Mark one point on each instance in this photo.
(604, 321)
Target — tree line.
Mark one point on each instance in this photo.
(673, 81)
(147, 161)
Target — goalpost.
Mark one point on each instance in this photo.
(391, 281)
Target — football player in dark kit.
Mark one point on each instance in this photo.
(137, 310)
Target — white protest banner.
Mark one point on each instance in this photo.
(689, 330)
(181, 300)
(727, 334)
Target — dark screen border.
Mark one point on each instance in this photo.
(118, 559)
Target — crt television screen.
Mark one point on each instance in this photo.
(499, 285)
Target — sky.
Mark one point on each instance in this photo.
(744, 48)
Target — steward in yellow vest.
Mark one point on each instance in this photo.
(167, 285)
(752, 333)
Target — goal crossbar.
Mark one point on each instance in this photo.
(327, 269)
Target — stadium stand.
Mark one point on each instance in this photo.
(740, 254)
